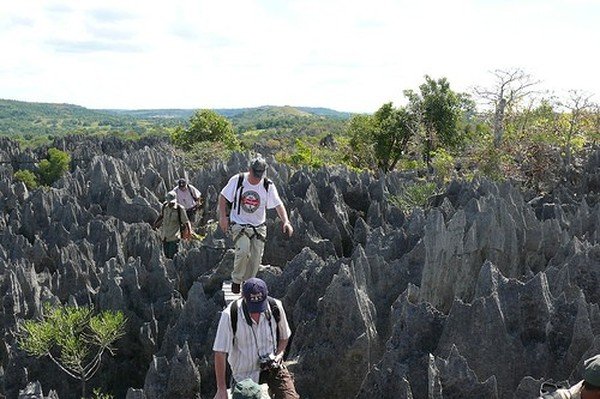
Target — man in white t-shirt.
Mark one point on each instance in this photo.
(188, 196)
(250, 195)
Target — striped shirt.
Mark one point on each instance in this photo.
(250, 341)
(572, 393)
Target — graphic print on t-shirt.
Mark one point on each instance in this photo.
(250, 201)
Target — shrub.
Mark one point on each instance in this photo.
(206, 125)
(27, 177)
(413, 196)
(443, 163)
(52, 168)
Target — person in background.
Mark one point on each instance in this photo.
(588, 388)
(250, 195)
(172, 221)
(254, 348)
(188, 196)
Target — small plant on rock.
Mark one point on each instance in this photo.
(413, 196)
(74, 338)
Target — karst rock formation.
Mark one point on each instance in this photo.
(484, 294)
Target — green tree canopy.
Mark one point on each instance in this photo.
(52, 168)
(439, 110)
(206, 126)
(381, 140)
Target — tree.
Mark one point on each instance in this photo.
(52, 168)
(73, 338)
(206, 126)
(381, 139)
(578, 104)
(510, 87)
(394, 128)
(361, 131)
(439, 110)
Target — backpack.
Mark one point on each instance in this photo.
(239, 188)
(157, 223)
(234, 315)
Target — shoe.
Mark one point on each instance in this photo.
(235, 288)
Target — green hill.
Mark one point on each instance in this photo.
(36, 122)
(39, 121)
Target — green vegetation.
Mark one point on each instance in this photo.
(27, 177)
(73, 338)
(438, 110)
(52, 168)
(98, 394)
(209, 136)
(515, 134)
(39, 123)
(48, 171)
(382, 139)
(206, 126)
(413, 196)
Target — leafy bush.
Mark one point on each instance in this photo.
(204, 152)
(52, 168)
(206, 126)
(98, 394)
(27, 177)
(413, 196)
(73, 338)
(443, 163)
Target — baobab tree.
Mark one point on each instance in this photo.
(510, 87)
(578, 104)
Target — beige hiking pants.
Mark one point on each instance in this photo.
(248, 251)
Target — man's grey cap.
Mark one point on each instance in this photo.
(258, 166)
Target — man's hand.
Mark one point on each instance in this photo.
(287, 227)
(278, 359)
(224, 224)
(221, 394)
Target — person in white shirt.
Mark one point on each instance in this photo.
(254, 348)
(188, 196)
(250, 195)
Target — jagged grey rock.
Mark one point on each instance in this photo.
(486, 293)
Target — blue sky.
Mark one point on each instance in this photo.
(343, 54)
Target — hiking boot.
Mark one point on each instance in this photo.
(235, 288)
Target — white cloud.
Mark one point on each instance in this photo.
(349, 55)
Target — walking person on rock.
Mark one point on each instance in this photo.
(188, 196)
(172, 221)
(252, 336)
(250, 195)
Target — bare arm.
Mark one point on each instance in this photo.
(223, 220)
(281, 350)
(287, 226)
(220, 359)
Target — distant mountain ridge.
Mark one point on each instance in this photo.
(179, 113)
(32, 119)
